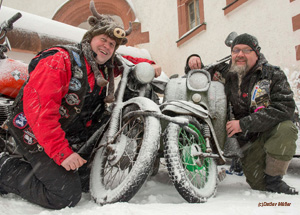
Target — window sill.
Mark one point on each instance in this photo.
(191, 33)
(233, 6)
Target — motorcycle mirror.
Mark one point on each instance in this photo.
(230, 38)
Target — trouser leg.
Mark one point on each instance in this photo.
(253, 164)
(278, 143)
(41, 181)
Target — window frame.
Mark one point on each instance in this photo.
(185, 33)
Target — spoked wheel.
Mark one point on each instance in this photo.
(194, 177)
(119, 171)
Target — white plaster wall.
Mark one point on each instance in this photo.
(45, 8)
(161, 20)
(269, 20)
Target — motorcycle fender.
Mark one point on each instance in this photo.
(184, 108)
(145, 104)
(176, 90)
(217, 143)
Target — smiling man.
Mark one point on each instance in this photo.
(263, 108)
(58, 109)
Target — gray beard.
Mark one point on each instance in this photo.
(241, 71)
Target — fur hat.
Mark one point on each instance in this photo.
(249, 40)
(105, 24)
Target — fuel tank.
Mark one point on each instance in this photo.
(13, 74)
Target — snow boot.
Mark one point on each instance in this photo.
(236, 167)
(275, 184)
(275, 169)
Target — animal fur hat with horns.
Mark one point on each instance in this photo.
(103, 24)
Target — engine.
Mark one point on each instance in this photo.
(5, 104)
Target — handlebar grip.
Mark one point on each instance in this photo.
(14, 18)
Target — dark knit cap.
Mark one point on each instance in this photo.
(249, 40)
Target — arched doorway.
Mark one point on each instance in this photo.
(75, 12)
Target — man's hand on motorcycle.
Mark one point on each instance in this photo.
(233, 127)
(194, 62)
(157, 70)
(73, 162)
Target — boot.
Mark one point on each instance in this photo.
(236, 167)
(277, 185)
(3, 158)
(275, 169)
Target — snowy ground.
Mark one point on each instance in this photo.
(158, 196)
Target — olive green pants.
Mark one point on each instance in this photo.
(278, 142)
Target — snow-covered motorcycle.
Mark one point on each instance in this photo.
(193, 152)
(13, 75)
(122, 151)
(125, 153)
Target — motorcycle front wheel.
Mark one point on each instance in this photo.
(195, 178)
(117, 174)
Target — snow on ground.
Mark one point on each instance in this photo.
(158, 196)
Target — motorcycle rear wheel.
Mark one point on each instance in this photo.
(194, 178)
(119, 182)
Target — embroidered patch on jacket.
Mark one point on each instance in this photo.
(72, 99)
(75, 84)
(78, 73)
(64, 112)
(260, 95)
(20, 121)
(77, 58)
(29, 137)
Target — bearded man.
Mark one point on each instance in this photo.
(263, 108)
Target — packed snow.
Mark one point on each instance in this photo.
(159, 196)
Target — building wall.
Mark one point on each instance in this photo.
(269, 20)
(44, 8)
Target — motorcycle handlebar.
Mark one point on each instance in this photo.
(8, 25)
(217, 63)
(14, 18)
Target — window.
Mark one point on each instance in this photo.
(296, 27)
(232, 4)
(194, 14)
(190, 19)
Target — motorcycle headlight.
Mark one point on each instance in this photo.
(143, 72)
(198, 80)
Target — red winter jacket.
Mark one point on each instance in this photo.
(48, 84)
